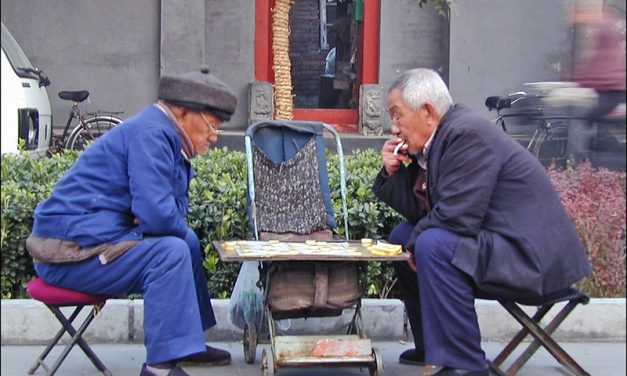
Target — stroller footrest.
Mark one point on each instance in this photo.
(324, 349)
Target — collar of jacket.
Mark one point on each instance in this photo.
(187, 150)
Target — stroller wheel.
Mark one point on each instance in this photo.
(267, 364)
(250, 343)
(376, 367)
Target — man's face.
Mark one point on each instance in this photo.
(410, 125)
(202, 129)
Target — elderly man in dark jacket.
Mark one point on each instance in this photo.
(492, 221)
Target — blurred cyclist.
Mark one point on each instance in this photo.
(600, 66)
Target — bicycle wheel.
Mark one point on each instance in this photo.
(552, 145)
(96, 127)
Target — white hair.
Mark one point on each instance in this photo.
(421, 85)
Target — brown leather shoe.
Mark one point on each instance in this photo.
(211, 357)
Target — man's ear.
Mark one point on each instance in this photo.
(183, 111)
(180, 113)
(176, 110)
(433, 116)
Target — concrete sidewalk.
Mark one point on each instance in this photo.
(607, 359)
(594, 335)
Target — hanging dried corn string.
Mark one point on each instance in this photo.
(282, 65)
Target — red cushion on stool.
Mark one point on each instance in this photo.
(49, 294)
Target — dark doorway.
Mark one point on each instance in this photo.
(323, 50)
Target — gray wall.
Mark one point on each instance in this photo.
(485, 47)
(410, 37)
(230, 49)
(218, 33)
(117, 49)
(110, 48)
(496, 46)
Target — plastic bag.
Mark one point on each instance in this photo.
(246, 303)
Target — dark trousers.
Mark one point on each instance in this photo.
(449, 326)
(607, 101)
(587, 136)
(408, 285)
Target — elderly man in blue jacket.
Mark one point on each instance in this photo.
(116, 224)
(485, 219)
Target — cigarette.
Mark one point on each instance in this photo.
(398, 147)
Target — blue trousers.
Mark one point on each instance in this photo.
(449, 321)
(168, 272)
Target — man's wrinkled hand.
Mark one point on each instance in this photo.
(394, 153)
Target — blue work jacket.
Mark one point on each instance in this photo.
(130, 183)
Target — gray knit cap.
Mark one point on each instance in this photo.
(198, 90)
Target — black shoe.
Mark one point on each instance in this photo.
(211, 357)
(175, 371)
(413, 357)
(447, 371)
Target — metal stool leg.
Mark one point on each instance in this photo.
(53, 343)
(76, 339)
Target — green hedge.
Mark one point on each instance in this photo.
(26, 180)
(217, 210)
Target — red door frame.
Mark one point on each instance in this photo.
(344, 120)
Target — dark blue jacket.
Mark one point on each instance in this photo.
(515, 236)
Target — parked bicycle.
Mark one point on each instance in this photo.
(549, 141)
(90, 126)
(562, 130)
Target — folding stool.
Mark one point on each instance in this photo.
(54, 298)
(542, 336)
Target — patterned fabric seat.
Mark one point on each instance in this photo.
(286, 188)
(288, 182)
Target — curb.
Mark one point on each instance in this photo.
(29, 322)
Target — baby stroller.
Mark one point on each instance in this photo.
(289, 199)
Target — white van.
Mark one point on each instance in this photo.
(26, 112)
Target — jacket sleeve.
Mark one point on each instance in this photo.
(153, 184)
(396, 192)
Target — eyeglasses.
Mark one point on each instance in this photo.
(211, 125)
